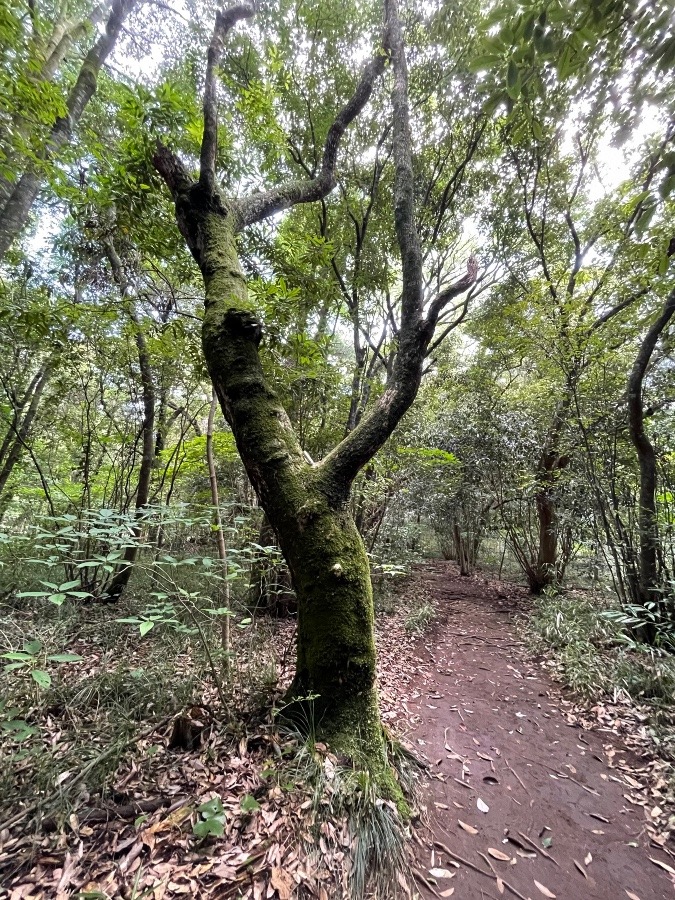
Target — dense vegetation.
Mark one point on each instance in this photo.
(294, 294)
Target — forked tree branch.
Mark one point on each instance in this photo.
(262, 204)
(440, 303)
(342, 465)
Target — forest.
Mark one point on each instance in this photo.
(337, 468)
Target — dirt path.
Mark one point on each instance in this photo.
(494, 731)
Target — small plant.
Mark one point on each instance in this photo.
(212, 819)
(418, 619)
(32, 660)
(637, 621)
(16, 729)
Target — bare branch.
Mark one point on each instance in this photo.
(225, 20)
(449, 293)
(404, 376)
(172, 169)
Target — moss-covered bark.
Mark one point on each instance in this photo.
(306, 507)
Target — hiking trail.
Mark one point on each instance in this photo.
(518, 784)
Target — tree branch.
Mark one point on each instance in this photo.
(207, 158)
(340, 467)
(266, 203)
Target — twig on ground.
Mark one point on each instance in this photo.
(539, 849)
(515, 774)
(470, 865)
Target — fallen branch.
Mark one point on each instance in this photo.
(106, 813)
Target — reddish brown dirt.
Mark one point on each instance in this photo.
(483, 710)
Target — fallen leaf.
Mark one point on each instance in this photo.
(500, 885)
(662, 865)
(482, 806)
(283, 883)
(588, 860)
(632, 895)
(468, 828)
(497, 854)
(448, 893)
(441, 873)
(543, 890)
(580, 868)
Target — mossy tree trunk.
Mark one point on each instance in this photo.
(307, 508)
(307, 504)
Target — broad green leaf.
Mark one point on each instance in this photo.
(249, 803)
(43, 679)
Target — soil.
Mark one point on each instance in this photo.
(494, 730)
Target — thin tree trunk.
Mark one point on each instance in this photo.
(121, 578)
(545, 570)
(647, 516)
(19, 203)
(220, 534)
(20, 431)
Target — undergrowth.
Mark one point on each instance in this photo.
(596, 657)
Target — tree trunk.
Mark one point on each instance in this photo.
(307, 508)
(18, 205)
(461, 551)
(220, 534)
(546, 570)
(121, 578)
(647, 516)
(20, 429)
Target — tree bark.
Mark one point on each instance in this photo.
(647, 516)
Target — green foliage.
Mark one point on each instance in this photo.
(31, 659)
(595, 651)
(418, 619)
(212, 819)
